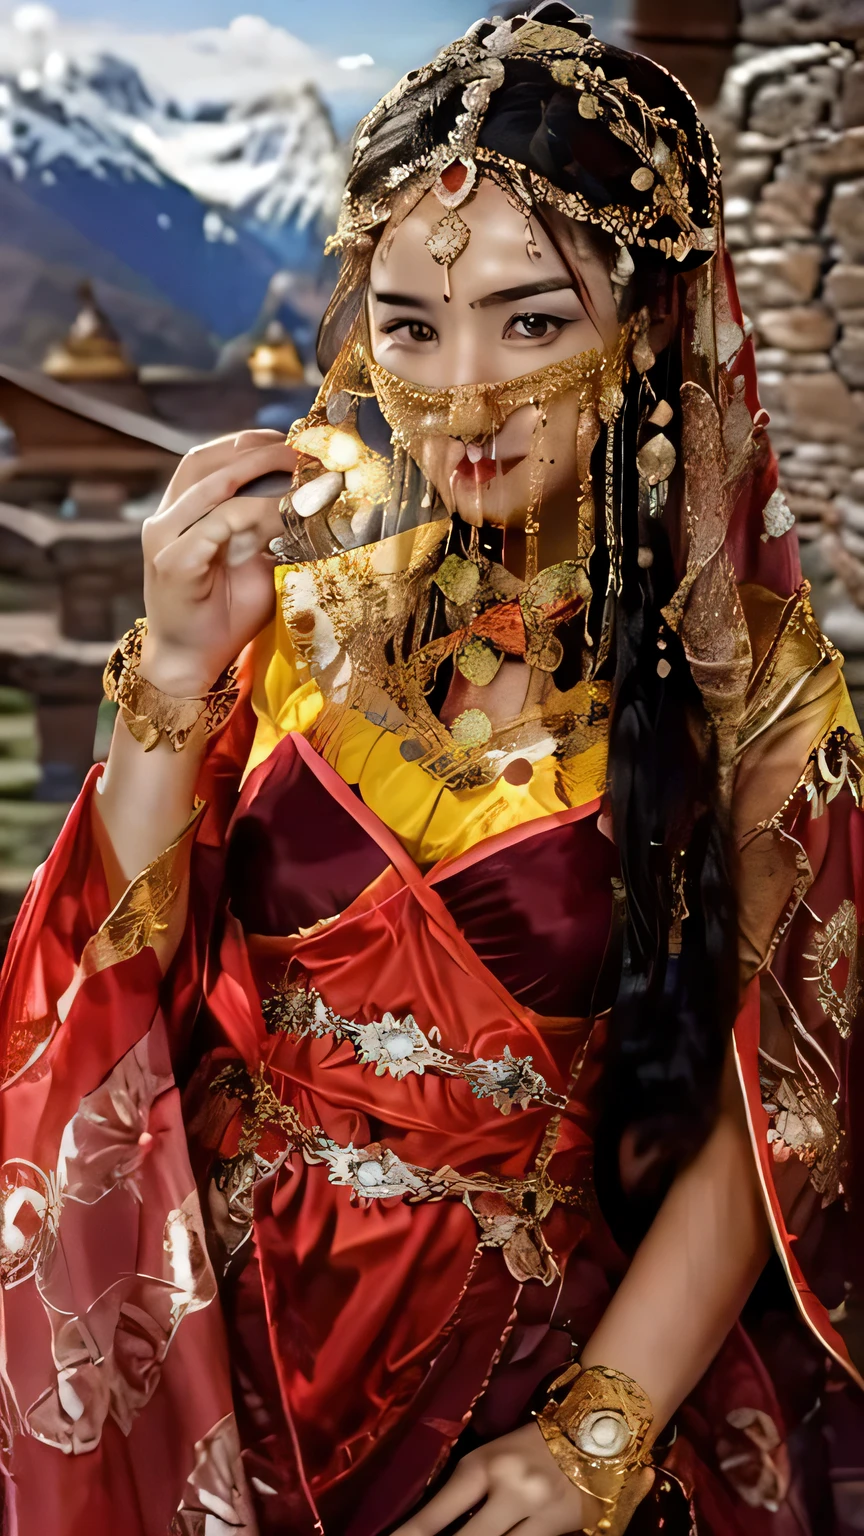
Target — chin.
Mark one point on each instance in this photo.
(500, 501)
(487, 504)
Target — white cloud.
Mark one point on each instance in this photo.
(248, 59)
(250, 28)
(34, 20)
(356, 61)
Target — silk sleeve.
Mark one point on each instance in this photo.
(798, 1037)
(108, 1296)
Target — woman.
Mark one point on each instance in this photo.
(371, 1083)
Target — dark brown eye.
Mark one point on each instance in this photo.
(417, 330)
(535, 327)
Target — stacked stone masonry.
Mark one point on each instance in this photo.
(790, 121)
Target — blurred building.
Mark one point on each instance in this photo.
(83, 459)
(695, 42)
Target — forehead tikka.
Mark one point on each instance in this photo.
(446, 242)
(450, 236)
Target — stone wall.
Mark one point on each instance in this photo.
(790, 122)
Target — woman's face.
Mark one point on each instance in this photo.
(509, 313)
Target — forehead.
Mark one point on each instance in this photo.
(498, 243)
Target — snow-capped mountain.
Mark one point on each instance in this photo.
(274, 160)
(200, 210)
(50, 121)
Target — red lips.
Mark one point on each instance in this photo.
(485, 469)
(479, 473)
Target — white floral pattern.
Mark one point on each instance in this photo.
(399, 1047)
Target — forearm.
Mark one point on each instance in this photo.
(692, 1273)
(145, 799)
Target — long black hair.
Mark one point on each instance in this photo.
(677, 939)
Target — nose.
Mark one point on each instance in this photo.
(469, 363)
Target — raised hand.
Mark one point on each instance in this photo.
(208, 584)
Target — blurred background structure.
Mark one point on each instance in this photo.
(168, 173)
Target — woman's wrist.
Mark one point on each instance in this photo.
(176, 671)
(178, 706)
(598, 1434)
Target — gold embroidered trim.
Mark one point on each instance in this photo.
(143, 915)
(838, 940)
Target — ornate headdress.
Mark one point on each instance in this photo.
(659, 186)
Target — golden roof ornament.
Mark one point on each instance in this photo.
(275, 359)
(91, 350)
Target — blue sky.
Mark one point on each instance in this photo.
(398, 33)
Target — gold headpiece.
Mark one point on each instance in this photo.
(663, 190)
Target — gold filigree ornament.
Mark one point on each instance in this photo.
(478, 661)
(149, 713)
(471, 729)
(475, 411)
(675, 179)
(655, 462)
(837, 941)
(834, 764)
(399, 1048)
(446, 242)
(597, 1433)
(804, 1124)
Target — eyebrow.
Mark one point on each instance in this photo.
(503, 296)
(524, 291)
(400, 300)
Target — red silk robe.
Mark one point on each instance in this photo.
(260, 1272)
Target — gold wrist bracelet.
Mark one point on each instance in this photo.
(150, 714)
(597, 1433)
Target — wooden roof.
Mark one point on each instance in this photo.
(51, 418)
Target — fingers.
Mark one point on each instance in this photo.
(497, 1518)
(460, 1493)
(235, 530)
(257, 437)
(209, 491)
(206, 457)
